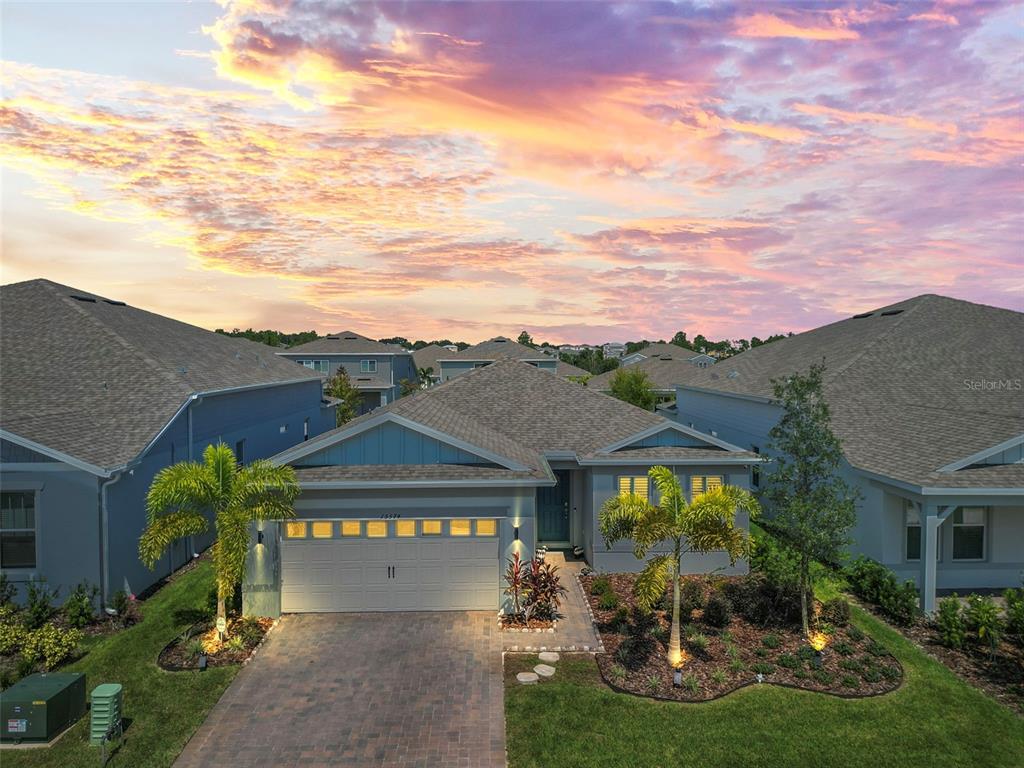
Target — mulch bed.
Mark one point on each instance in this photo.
(181, 654)
(518, 624)
(852, 665)
(1000, 675)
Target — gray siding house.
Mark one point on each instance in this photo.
(376, 369)
(418, 505)
(927, 399)
(486, 352)
(665, 371)
(672, 351)
(96, 397)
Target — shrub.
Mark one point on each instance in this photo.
(717, 612)
(805, 652)
(843, 648)
(854, 633)
(691, 597)
(12, 635)
(544, 590)
(600, 585)
(877, 584)
(776, 563)
(608, 601)
(761, 653)
(983, 622)
(763, 602)
(235, 643)
(691, 683)
(249, 630)
(836, 612)
(788, 661)
(620, 621)
(39, 604)
(736, 666)
(824, 677)
(871, 674)
(633, 651)
(900, 603)
(849, 681)
(890, 673)
(771, 641)
(698, 642)
(7, 590)
(661, 634)
(851, 665)
(127, 608)
(196, 648)
(50, 645)
(1015, 613)
(763, 668)
(79, 608)
(718, 677)
(801, 674)
(950, 622)
(619, 673)
(876, 649)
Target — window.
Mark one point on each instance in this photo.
(486, 527)
(405, 528)
(351, 528)
(431, 527)
(755, 471)
(703, 483)
(969, 533)
(367, 366)
(18, 529)
(283, 429)
(240, 452)
(295, 530)
(305, 429)
(377, 529)
(913, 530)
(459, 527)
(638, 484)
(323, 529)
(320, 366)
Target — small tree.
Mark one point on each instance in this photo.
(185, 496)
(425, 375)
(633, 386)
(812, 507)
(526, 339)
(409, 387)
(341, 387)
(706, 524)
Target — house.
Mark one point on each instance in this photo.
(487, 352)
(419, 505)
(613, 349)
(426, 360)
(97, 397)
(377, 370)
(658, 349)
(927, 400)
(665, 372)
(567, 370)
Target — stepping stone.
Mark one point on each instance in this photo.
(548, 657)
(544, 670)
(526, 678)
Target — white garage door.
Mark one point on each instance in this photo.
(389, 565)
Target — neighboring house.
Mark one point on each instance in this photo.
(665, 371)
(613, 349)
(427, 357)
(96, 397)
(376, 370)
(567, 370)
(573, 349)
(926, 397)
(419, 505)
(674, 351)
(487, 352)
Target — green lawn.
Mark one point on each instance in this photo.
(164, 708)
(933, 720)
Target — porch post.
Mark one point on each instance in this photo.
(932, 516)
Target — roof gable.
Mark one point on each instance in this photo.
(344, 343)
(669, 434)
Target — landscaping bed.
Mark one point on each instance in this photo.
(723, 650)
(243, 636)
(512, 623)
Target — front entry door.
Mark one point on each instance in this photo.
(553, 510)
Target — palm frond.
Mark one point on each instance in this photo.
(163, 530)
(621, 516)
(262, 481)
(223, 466)
(710, 522)
(183, 486)
(653, 580)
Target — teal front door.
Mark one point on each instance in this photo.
(553, 510)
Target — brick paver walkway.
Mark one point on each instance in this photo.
(370, 689)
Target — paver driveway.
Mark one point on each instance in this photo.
(362, 689)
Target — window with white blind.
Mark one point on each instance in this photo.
(638, 484)
(700, 484)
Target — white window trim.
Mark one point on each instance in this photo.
(367, 366)
(984, 536)
(35, 489)
(908, 507)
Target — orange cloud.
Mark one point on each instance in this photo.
(849, 116)
(769, 25)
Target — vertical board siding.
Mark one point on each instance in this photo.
(390, 444)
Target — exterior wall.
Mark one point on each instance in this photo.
(451, 369)
(604, 484)
(390, 368)
(390, 444)
(515, 506)
(69, 519)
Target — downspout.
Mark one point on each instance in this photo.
(104, 532)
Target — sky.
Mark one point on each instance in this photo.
(586, 171)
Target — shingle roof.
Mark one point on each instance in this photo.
(498, 348)
(428, 356)
(673, 350)
(568, 369)
(407, 472)
(97, 380)
(899, 381)
(346, 343)
(663, 371)
(518, 411)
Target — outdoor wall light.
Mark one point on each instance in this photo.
(259, 537)
(515, 533)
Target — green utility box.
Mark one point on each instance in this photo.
(40, 706)
(106, 712)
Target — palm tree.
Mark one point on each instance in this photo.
(184, 497)
(425, 375)
(706, 524)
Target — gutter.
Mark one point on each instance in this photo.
(324, 485)
(104, 533)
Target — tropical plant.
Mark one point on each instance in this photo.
(340, 386)
(425, 375)
(706, 524)
(544, 590)
(515, 578)
(982, 619)
(409, 387)
(813, 508)
(80, 606)
(39, 607)
(717, 612)
(184, 497)
(950, 622)
(49, 645)
(633, 386)
(1015, 613)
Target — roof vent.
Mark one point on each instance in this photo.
(890, 312)
(733, 375)
(500, 341)
(182, 370)
(113, 303)
(334, 337)
(863, 314)
(351, 338)
(76, 297)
